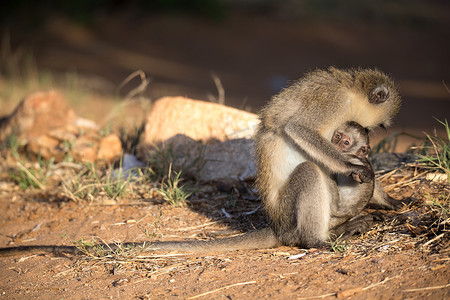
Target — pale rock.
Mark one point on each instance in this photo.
(229, 161)
(128, 167)
(208, 141)
(131, 162)
(232, 160)
(196, 119)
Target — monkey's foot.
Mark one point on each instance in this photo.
(357, 225)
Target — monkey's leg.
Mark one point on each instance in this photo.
(352, 198)
(382, 199)
(304, 207)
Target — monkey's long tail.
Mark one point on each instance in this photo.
(20, 250)
(259, 239)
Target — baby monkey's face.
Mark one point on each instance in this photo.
(351, 141)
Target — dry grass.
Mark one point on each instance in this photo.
(420, 228)
(422, 224)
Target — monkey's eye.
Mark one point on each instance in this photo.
(337, 136)
(346, 142)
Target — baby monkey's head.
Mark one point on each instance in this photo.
(352, 138)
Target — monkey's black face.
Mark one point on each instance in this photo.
(379, 95)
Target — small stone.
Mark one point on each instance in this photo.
(45, 146)
(37, 115)
(47, 127)
(110, 148)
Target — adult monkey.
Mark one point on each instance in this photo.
(295, 156)
(296, 160)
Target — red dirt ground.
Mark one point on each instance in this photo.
(388, 263)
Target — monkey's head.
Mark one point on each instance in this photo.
(352, 138)
(381, 92)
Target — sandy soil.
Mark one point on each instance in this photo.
(401, 258)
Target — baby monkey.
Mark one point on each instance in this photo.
(352, 140)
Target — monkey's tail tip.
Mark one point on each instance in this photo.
(20, 250)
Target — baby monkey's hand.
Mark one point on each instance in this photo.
(362, 174)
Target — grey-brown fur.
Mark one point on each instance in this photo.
(296, 158)
(352, 193)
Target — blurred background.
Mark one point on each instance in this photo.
(239, 52)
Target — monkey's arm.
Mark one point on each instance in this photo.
(323, 152)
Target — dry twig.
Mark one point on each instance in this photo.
(427, 288)
(222, 288)
(29, 174)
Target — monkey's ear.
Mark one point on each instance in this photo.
(379, 94)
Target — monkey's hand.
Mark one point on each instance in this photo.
(362, 174)
(359, 169)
